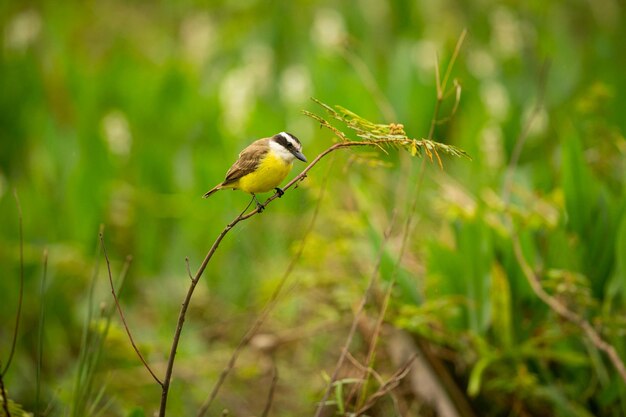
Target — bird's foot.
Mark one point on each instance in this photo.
(279, 191)
(260, 207)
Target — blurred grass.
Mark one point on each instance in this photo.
(124, 114)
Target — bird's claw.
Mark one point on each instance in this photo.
(260, 207)
(279, 191)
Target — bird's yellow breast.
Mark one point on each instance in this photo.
(271, 172)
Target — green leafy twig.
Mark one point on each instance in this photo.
(382, 135)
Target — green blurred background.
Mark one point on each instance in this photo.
(125, 113)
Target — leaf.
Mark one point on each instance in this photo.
(473, 386)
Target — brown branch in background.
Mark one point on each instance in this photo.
(364, 369)
(357, 317)
(20, 297)
(270, 394)
(566, 313)
(391, 384)
(121, 313)
(269, 306)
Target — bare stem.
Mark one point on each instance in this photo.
(560, 309)
(270, 394)
(441, 85)
(391, 384)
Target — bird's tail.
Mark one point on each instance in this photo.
(211, 191)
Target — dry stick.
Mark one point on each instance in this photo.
(392, 383)
(41, 328)
(357, 316)
(21, 293)
(566, 313)
(365, 369)
(121, 313)
(270, 395)
(371, 371)
(268, 307)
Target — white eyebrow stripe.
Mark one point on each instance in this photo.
(289, 139)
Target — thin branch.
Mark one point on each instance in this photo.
(119, 310)
(267, 308)
(560, 309)
(364, 369)
(5, 400)
(369, 371)
(357, 316)
(455, 55)
(442, 84)
(457, 100)
(188, 268)
(42, 293)
(391, 384)
(185, 305)
(270, 395)
(20, 297)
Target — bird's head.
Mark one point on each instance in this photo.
(287, 146)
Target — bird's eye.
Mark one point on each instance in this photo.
(289, 145)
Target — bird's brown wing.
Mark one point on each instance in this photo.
(248, 161)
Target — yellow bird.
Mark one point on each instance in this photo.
(262, 166)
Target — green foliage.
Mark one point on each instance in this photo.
(15, 409)
(123, 114)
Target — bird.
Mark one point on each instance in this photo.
(262, 166)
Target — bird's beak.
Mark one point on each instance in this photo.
(300, 156)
